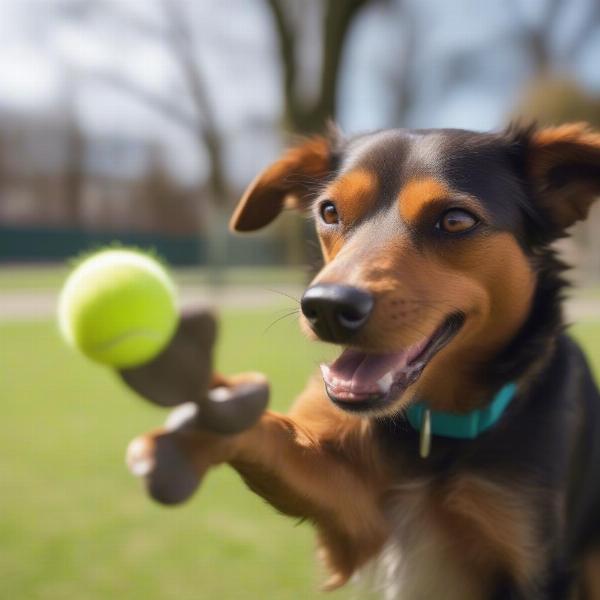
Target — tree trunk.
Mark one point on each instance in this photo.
(338, 17)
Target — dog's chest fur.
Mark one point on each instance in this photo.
(420, 560)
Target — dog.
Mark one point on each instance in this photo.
(453, 449)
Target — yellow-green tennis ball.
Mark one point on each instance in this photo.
(118, 307)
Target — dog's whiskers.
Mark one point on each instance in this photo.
(296, 300)
(289, 314)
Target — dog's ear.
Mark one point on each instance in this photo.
(291, 179)
(563, 166)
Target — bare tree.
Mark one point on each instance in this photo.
(338, 16)
(174, 35)
(3, 156)
(404, 78)
(299, 115)
(162, 201)
(538, 38)
(73, 175)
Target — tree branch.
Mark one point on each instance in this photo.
(177, 38)
(552, 13)
(405, 75)
(589, 25)
(81, 10)
(537, 38)
(155, 101)
(287, 50)
(338, 19)
(180, 41)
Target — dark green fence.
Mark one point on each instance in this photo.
(45, 244)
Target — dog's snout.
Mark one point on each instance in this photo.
(336, 312)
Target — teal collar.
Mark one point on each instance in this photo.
(466, 427)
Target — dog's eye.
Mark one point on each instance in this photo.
(329, 213)
(456, 220)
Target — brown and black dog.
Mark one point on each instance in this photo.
(441, 286)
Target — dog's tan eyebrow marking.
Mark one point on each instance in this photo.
(417, 193)
(354, 194)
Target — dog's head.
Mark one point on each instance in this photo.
(431, 243)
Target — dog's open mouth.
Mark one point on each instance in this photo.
(358, 381)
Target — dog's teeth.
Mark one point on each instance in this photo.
(385, 383)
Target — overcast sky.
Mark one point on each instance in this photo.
(237, 51)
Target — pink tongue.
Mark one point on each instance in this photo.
(358, 372)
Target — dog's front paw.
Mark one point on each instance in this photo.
(161, 461)
(196, 436)
(173, 460)
(211, 409)
(234, 404)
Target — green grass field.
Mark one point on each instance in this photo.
(75, 525)
(48, 277)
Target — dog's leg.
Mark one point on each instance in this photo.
(284, 463)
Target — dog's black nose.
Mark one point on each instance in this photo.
(336, 312)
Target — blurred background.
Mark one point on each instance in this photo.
(141, 121)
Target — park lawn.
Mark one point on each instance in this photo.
(75, 525)
(52, 276)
